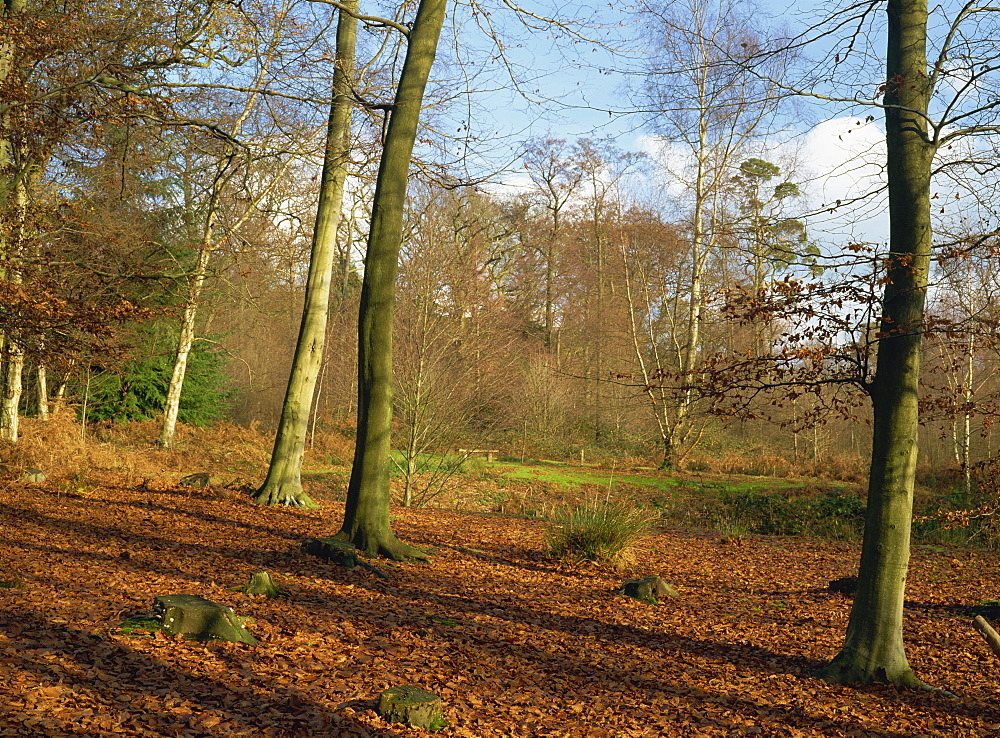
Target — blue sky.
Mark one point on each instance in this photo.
(573, 81)
(573, 88)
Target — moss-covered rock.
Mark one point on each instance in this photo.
(647, 589)
(413, 706)
(199, 619)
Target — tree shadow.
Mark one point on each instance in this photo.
(139, 692)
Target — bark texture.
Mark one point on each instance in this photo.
(283, 485)
(873, 649)
(366, 518)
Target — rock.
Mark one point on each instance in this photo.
(199, 619)
(261, 583)
(35, 476)
(413, 706)
(332, 549)
(647, 589)
(198, 479)
(844, 585)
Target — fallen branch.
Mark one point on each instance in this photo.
(992, 637)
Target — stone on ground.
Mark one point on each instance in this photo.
(199, 619)
(413, 706)
(647, 589)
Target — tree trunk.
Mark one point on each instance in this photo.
(185, 341)
(42, 387)
(10, 402)
(873, 648)
(366, 518)
(283, 485)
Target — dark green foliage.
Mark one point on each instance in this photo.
(136, 389)
(959, 518)
(830, 514)
(763, 513)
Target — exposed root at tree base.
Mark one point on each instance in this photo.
(842, 672)
(390, 548)
(275, 495)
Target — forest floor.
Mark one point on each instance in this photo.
(515, 643)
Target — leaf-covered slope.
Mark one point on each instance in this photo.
(515, 644)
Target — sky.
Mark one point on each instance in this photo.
(576, 78)
(573, 88)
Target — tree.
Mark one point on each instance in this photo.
(453, 353)
(66, 93)
(210, 180)
(283, 484)
(873, 649)
(366, 517)
(654, 282)
(556, 174)
(599, 221)
(770, 240)
(712, 100)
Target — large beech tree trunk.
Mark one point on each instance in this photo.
(366, 518)
(283, 485)
(873, 648)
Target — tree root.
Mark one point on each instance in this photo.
(388, 547)
(843, 672)
(283, 494)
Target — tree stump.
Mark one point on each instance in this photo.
(261, 583)
(199, 619)
(413, 706)
(35, 476)
(332, 549)
(647, 589)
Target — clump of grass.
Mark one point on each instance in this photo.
(732, 529)
(141, 626)
(604, 532)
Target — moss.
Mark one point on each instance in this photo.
(142, 626)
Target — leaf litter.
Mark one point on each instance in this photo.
(516, 644)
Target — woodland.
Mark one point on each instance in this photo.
(293, 270)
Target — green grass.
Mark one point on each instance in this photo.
(600, 531)
(570, 476)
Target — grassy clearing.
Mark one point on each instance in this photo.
(730, 503)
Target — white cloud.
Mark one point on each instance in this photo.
(841, 173)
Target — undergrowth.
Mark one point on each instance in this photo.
(604, 532)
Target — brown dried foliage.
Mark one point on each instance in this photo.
(516, 644)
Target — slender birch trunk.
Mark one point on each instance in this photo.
(185, 341)
(42, 386)
(10, 402)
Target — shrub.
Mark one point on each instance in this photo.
(602, 532)
(758, 464)
(699, 465)
(839, 514)
(762, 513)
(136, 389)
